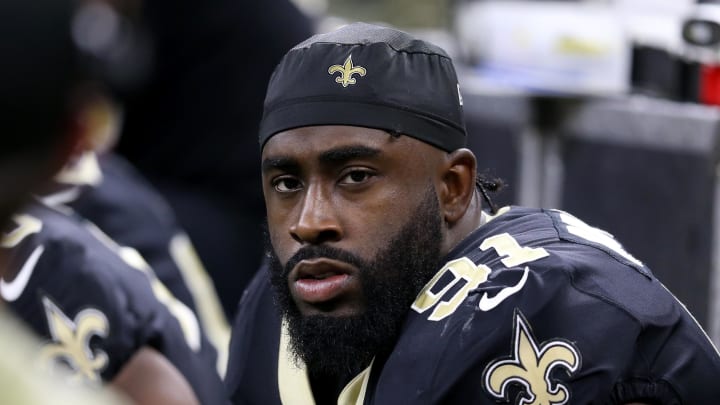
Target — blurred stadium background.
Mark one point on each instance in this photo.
(607, 109)
(604, 108)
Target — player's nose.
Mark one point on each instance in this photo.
(317, 221)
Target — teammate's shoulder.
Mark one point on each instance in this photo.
(124, 192)
(54, 252)
(39, 233)
(44, 222)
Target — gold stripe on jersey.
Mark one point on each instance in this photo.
(294, 383)
(209, 310)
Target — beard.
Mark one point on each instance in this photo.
(340, 347)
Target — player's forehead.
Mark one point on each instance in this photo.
(306, 142)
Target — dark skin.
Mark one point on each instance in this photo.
(352, 188)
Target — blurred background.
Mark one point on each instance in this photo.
(607, 109)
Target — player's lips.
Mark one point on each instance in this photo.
(319, 280)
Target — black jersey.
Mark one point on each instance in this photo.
(95, 303)
(126, 207)
(111, 194)
(534, 307)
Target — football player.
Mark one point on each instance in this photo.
(104, 188)
(108, 191)
(38, 100)
(387, 283)
(102, 319)
(104, 315)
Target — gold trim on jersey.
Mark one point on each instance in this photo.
(202, 289)
(485, 217)
(294, 383)
(84, 170)
(354, 392)
(182, 313)
(26, 226)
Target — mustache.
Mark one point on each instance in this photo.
(325, 252)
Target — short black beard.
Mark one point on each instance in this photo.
(341, 347)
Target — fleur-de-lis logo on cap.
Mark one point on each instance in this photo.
(347, 70)
(530, 366)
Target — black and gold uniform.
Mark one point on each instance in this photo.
(533, 307)
(109, 192)
(95, 303)
(22, 383)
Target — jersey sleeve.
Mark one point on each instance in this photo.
(85, 318)
(93, 311)
(126, 208)
(533, 317)
(572, 344)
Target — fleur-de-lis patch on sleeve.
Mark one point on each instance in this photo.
(70, 344)
(346, 70)
(530, 366)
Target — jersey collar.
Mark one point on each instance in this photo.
(294, 383)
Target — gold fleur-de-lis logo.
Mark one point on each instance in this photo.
(530, 366)
(70, 344)
(347, 70)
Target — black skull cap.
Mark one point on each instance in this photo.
(368, 76)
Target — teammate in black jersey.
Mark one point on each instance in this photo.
(102, 311)
(388, 284)
(110, 193)
(98, 317)
(38, 78)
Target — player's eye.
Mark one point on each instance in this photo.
(286, 184)
(356, 176)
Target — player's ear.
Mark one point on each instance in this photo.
(458, 184)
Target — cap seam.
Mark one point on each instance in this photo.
(372, 43)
